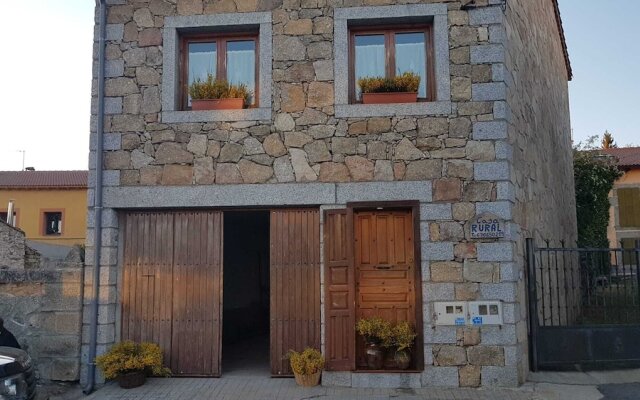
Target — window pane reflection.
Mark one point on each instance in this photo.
(370, 58)
(202, 61)
(411, 57)
(241, 64)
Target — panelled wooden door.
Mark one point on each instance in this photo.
(172, 289)
(384, 267)
(295, 284)
(339, 286)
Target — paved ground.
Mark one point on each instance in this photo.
(244, 388)
(610, 385)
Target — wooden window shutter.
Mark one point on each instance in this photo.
(629, 207)
(339, 291)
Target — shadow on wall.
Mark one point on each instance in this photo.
(40, 301)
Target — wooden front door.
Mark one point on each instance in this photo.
(385, 271)
(295, 284)
(172, 287)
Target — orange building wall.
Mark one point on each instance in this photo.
(31, 204)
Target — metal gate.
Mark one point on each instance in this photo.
(584, 307)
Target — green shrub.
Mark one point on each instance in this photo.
(213, 88)
(407, 82)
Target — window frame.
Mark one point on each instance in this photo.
(43, 221)
(388, 31)
(221, 39)
(16, 214)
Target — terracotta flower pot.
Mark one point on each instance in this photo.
(217, 104)
(389, 98)
(308, 380)
(375, 356)
(132, 380)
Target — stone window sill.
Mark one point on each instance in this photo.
(388, 110)
(250, 114)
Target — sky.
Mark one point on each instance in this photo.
(45, 83)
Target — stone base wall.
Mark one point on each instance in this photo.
(41, 306)
(539, 139)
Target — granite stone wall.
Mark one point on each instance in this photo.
(40, 302)
(539, 141)
(311, 151)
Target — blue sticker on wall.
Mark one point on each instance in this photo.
(477, 320)
(460, 321)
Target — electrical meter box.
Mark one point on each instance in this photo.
(485, 313)
(451, 313)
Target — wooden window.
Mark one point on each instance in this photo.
(389, 51)
(52, 223)
(629, 207)
(231, 57)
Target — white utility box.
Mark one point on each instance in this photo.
(485, 313)
(451, 313)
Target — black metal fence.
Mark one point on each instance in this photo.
(585, 286)
(584, 304)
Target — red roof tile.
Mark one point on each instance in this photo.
(43, 179)
(628, 157)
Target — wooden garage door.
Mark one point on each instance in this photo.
(172, 287)
(385, 267)
(295, 284)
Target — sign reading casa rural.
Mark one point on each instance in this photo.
(487, 226)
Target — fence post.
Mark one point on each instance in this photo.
(533, 302)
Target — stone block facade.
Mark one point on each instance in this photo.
(479, 146)
(41, 304)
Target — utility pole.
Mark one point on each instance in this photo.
(23, 153)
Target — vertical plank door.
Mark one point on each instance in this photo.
(197, 294)
(147, 279)
(171, 292)
(339, 280)
(295, 284)
(385, 267)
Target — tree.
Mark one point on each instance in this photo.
(607, 141)
(594, 174)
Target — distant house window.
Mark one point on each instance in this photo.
(52, 223)
(4, 215)
(629, 207)
(226, 57)
(392, 51)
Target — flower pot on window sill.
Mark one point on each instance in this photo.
(389, 98)
(217, 104)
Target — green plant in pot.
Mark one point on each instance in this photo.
(376, 333)
(398, 89)
(216, 94)
(130, 363)
(306, 366)
(403, 338)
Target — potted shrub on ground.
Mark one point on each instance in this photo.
(399, 89)
(376, 333)
(307, 366)
(130, 363)
(214, 94)
(403, 336)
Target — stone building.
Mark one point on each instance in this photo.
(294, 217)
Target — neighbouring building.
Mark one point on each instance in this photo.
(280, 225)
(49, 206)
(624, 215)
